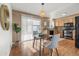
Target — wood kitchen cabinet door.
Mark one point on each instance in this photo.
(59, 22)
(56, 22)
(67, 20)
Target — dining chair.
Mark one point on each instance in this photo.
(36, 35)
(40, 37)
(53, 44)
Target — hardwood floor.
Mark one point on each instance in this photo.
(66, 48)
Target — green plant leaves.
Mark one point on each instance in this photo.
(16, 28)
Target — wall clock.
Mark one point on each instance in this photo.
(4, 17)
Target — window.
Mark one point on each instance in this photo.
(29, 25)
(26, 25)
(36, 26)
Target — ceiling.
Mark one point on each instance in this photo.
(53, 10)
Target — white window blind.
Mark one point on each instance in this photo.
(26, 25)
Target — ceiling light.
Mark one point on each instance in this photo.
(64, 14)
(42, 11)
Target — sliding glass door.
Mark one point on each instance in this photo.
(29, 25)
(26, 25)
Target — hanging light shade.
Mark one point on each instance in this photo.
(42, 11)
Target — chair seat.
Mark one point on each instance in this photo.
(37, 37)
(49, 45)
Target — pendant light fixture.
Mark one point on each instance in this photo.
(42, 11)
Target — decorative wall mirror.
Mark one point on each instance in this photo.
(4, 17)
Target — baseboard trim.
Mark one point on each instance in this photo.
(26, 41)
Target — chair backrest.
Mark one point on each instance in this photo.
(54, 41)
(35, 34)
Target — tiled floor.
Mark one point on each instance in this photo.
(66, 48)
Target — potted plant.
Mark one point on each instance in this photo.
(16, 29)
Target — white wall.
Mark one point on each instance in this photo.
(6, 37)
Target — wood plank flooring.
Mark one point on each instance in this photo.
(66, 48)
